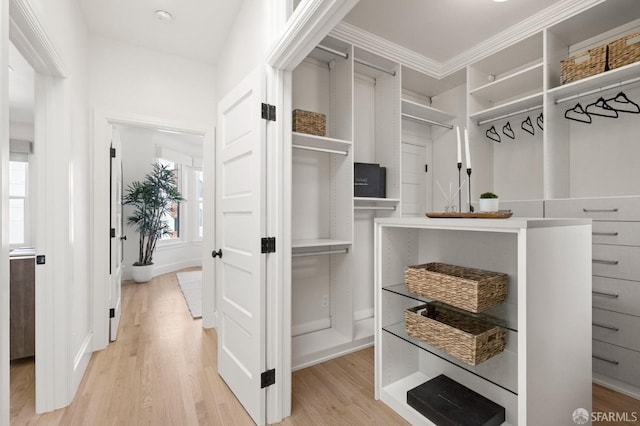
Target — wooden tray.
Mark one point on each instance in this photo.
(502, 214)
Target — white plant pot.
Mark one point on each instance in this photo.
(142, 274)
(489, 205)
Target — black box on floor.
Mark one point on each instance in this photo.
(448, 403)
(369, 180)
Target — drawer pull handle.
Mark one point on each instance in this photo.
(611, 295)
(605, 234)
(608, 327)
(605, 262)
(600, 210)
(610, 361)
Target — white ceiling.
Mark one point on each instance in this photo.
(198, 30)
(441, 29)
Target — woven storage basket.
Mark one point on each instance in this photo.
(312, 123)
(624, 51)
(470, 289)
(582, 65)
(463, 337)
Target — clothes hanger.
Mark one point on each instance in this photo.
(623, 104)
(577, 113)
(601, 108)
(527, 126)
(506, 129)
(540, 121)
(493, 134)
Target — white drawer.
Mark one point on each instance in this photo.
(616, 295)
(616, 261)
(608, 208)
(617, 329)
(616, 362)
(620, 233)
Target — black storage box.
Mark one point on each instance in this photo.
(448, 403)
(369, 180)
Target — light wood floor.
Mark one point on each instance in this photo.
(162, 371)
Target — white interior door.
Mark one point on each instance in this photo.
(240, 221)
(416, 181)
(116, 240)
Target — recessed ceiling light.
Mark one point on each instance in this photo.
(163, 15)
(499, 1)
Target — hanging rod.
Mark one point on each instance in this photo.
(375, 208)
(322, 252)
(599, 89)
(313, 148)
(375, 67)
(511, 114)
(333, 51)
(360, 61)
(426, 120)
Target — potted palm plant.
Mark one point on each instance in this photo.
(152, 199)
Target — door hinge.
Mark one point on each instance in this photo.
(112, 152)
(112, 313)
(268, 112)
(112, 233)
(268, 378)
(269, 245)
(426, 168)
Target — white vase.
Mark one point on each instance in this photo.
(489, 205)
(142, 274)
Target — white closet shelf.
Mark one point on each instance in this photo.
(318, 346)
(596, 81)
(321, 142)
(318, 242)
(426, 112)
(531, 101)
(378, 201)
(522, 81)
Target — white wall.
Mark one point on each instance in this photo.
(131, 79)
(138, 152)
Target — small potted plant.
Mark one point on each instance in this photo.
(152, 199)
(488, 202)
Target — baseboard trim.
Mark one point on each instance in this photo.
(166, 268)
(81, 362)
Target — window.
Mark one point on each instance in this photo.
(172, 219)
(18, 201)
(199, 198)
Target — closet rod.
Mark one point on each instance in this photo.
(599, 89)
(333, 51)
(374, 208)
(511, 114)
(426, 120)
(313, 148)
(360, 61)
(317, 253)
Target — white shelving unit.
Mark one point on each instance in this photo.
(524, 378)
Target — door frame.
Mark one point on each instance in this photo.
(102, 122)
(56, 370)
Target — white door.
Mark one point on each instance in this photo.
(240, 221)
(116, 240)
(416, 179)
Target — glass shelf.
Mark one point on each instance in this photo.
(501, 370)
(504, 315)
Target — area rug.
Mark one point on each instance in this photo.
(191, 285)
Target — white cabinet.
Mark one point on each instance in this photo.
(548, 264)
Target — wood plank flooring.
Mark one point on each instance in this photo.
(162, 370)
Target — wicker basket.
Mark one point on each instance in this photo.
(582, 65)
(463, 337)
(470, 289)
(312, 123)
(624, 51)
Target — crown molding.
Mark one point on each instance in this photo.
(528, 27)
(376, 44)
